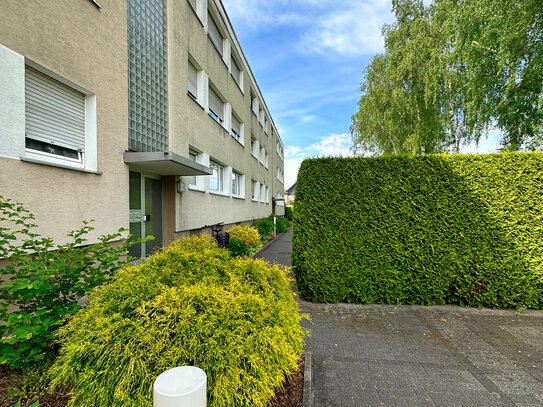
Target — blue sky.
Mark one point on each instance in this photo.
(308, 57)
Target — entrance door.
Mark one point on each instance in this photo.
(145, 212)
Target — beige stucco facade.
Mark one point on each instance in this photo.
(84, 47)
(191, 127)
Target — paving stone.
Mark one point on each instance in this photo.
(385, 355)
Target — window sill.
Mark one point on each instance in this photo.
(195, 100)
(217, 121)
(196, 189)
(66, 167)
(239, 141)
(238, 197)
(219, 193)
(255, 157)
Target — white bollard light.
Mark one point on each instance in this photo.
(183, 386)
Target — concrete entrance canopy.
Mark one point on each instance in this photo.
(165, 163)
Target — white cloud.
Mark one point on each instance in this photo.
(349, 28)
(332, 145)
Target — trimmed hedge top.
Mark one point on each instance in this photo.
(465, 229)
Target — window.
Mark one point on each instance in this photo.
(214, 34)
(256, 190)
(254, 104)
(236, 128)
(254, 147)
(216, 181)
(236, 71)
(192, 81)
(193, 156)
(237, 184)
(216, 106)
(280, 151)
(262, 193)
(266, 124)
(279, 174)
(261, 115)
(55, 120)
(263, 158)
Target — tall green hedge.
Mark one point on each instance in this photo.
(463, 229)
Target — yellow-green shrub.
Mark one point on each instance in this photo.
(190, 304)
(247, 234)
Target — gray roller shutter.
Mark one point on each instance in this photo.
(236, 73)
(55, 113)
(216, 104)
(236, 125)
(214, 33)
(193, 80)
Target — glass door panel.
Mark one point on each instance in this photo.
(153, 213)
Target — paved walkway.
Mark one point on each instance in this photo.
(383, 355)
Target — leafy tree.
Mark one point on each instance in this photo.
(451, 71)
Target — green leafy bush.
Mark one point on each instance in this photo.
(281, 224)
(264, 227)
(44, 282)
(247, 234)
(237, 248)
(464, 229)
(289, 212)
(190, 304)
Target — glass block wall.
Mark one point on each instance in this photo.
(147, 76)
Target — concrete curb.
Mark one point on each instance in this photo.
(308, 394)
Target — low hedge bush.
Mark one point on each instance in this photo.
(246, 234)
(464, 229)
(264, 227)
(189, 304)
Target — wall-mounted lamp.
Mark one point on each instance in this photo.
(180, 186)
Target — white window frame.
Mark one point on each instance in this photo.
(239, 79)
(262, 156)
(15, 147)
(262, 193)
(240, 138)
(194, 95)
(255, 147)
(221, 170)
(240, 193)
(254, 104)
(280, 174)
(202, 159)
(255, 190)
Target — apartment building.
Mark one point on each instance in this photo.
(141, 114)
